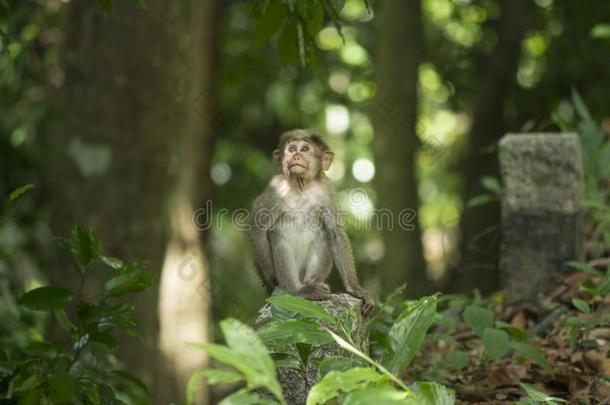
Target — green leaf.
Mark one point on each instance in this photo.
(581, 107)
(131, 378)
(62, 387)
(131, 279)
(18, 192)
(106, 5)
(213, 376)
(244, 341)
(143, 4)
(458, 359)
(581, 305)
(514, 331)
(337, 382)
(268, 24)
(84, 245)
(246, 353)
(383, 394)
(496, 343)
(600, 31)
(431, 393)
(492, 184)
(308, 309)
(347, 346)
(587, 268)
(63, 320)
(337, 363)
(43, 347)
(481, 200)
(45, 298)
(288, 44)
(280, 334)
(104, 338)
(540, 396)
(408, 332)
(478, 319)
(603, 288)
(112, 262)
(533, 354)
(315, 22)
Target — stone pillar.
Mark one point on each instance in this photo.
(296, 383)
(543, 185)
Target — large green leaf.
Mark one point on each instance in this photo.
(45, 298)
(280, 334)
(497, 343)
(431, 393)
(268, 24)
(308, 309)
(383, 394)
(337, 382)
(478, 319)
(213, 376)
(246, 353)
(408, 332)
(244, 341)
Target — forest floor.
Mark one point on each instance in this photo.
(569, 327)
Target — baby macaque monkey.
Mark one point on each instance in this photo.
(294, 231)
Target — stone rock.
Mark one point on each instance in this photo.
(297, 383)
(543, 185)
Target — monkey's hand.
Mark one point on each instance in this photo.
(368, 304)
(315, 291)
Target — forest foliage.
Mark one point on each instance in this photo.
(313, 62)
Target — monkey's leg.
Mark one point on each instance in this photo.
(285, 268)
(316, 270)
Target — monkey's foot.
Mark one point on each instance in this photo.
(315, 291)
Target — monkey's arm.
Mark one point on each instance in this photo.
(344, 260)
(260, 220)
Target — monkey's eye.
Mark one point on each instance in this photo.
(305, 148)
(292, 149)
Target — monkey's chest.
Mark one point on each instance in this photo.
(298, 231)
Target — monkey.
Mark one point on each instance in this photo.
(294, 234)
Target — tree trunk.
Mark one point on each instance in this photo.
(399, 38)
(479, 226)
(185, 296)
(122, 107)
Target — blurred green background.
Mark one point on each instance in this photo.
(154, 123)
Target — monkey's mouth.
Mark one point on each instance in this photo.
(290, 166)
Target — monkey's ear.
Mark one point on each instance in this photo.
(276, 156)
(327, 159)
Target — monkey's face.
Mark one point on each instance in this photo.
(300, 159)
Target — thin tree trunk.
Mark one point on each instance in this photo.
(397, 57)
(185, 296)
(479, 226)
